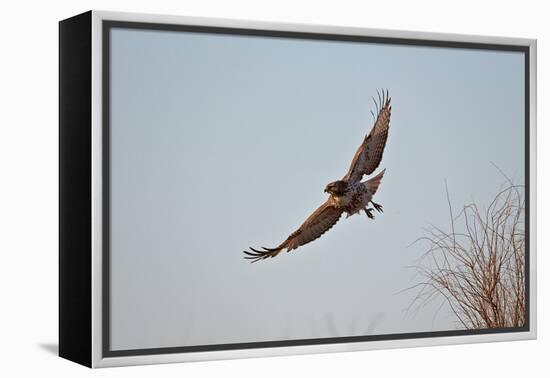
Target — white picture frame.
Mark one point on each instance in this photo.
(82, 338)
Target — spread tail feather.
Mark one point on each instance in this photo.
(374, 183)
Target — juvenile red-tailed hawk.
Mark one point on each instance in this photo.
(349, 194)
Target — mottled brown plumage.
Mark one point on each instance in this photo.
(348, 195)
(369, 154)
(314, 226)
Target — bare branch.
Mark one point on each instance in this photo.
(477, 267)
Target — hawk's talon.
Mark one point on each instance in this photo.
(369, 213)
(377, 206)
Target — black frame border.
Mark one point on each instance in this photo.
(108, 25)
(75, 191)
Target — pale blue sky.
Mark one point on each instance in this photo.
(222, 142)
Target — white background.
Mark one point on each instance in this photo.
(28, 200)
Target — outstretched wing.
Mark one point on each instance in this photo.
(315, 225)
(369, 154)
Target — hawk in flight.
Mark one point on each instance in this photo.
(348, 195)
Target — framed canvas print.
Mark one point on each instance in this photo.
(236, 189)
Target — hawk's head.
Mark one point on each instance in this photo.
(337, 188)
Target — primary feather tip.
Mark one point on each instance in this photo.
(257, 255)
